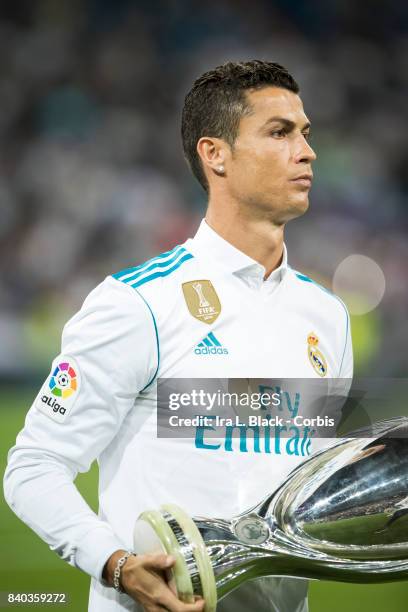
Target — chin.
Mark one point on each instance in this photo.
(299, 207)
(304, 204)
(285, 210)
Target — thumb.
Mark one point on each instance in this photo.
(159, 561)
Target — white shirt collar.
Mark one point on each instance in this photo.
(209, 243)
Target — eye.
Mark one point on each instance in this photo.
(307, 136)
(278, 133)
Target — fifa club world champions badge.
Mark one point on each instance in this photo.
(202, 300)
(316, 357)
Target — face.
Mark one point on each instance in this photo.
(270, 155)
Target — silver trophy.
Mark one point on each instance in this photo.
(341, 515)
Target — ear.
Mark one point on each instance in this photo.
(213, 155)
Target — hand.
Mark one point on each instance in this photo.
(142, 578)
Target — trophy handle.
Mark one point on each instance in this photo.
(192, 574)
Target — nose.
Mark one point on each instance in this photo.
(305, 153)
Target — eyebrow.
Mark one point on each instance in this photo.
(290, 125)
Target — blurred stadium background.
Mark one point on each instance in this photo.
(92, 180)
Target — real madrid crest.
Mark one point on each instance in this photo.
(202, 300)
(316, 357)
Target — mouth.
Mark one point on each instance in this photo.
(305, 180)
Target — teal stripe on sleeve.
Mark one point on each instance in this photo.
(157, 340)
(156, 264)
(147, 279)
(128, 271)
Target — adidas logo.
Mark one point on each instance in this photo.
(210, 346)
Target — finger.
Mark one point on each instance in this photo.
(160, 561)
(197, 606)
(170, 602)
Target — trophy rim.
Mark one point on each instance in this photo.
(202, 559)
(193, 544)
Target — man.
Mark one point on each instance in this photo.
(246, 138)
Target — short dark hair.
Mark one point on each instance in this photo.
(216, 103)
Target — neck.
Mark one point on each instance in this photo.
(259, 238)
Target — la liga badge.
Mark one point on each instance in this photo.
(60, 390)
